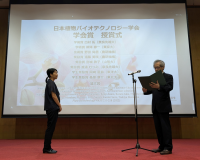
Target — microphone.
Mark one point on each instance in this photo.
(134, 72)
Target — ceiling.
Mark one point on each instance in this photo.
(5, 3)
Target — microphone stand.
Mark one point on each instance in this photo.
(136, 119)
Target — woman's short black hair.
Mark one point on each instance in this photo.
(50, 71)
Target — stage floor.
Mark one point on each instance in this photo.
(96, 149)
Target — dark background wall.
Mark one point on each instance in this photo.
(19, 128)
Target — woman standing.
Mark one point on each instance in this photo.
(52, 106)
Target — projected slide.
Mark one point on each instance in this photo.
(93, 59)
(94, 47)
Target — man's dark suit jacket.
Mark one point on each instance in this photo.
(161, 98)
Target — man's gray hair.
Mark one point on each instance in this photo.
(162, 63)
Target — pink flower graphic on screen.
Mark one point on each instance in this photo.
(46, 50)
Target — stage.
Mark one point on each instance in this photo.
(96, 149)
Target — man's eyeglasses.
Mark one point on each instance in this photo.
(157, 67)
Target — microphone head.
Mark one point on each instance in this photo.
(138, 71)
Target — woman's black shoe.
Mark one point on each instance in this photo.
(51, 151)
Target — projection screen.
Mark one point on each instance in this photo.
(94, 47)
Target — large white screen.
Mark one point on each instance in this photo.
(94, 47)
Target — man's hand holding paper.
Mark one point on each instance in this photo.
(144, 90)
(155, 85)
